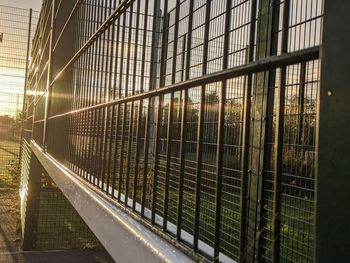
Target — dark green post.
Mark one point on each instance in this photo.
(333, 187)
(32, 204)
(264, 48)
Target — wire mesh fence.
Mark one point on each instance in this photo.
(59, 226)
(198, 116)
(14, 35)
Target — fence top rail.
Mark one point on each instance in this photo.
(250, 68)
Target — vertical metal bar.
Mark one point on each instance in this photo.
(183, 58)
(219, 170)
(164, 44)
(116, 110)
(279, 140)
(32, 205)
(198, 168)
(176, 34)
(139, 114)
(111, 96)
(103, 92)
(87, 85)
(155, 40)
(159, 108)
(106, 112)
(24, 111)
(78, 73)
(147, 121)
(182, 163)
(168, 161)
(246, 137)
(35, 104)
(200, 129)
(49, 78)
(333, 140)
(137, 157)
(221, 137)
(37, 76)
(301, 101)
(131, 117)
(128, 158)
(85, 28)
(121, 161)
(73, 154)
(170, 116)
(152, 86)
(98, 96)
(156, 152)
(27, 57)
(116, 150)
(145, 163)
(84, 82)
(189, 39)
(264, 47)
(184, 121)
(92, 93)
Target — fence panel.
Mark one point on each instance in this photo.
(200, 119)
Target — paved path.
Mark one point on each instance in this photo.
(52, 257)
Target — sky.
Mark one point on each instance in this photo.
(35, 4)
(14, 42)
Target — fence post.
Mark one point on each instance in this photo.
(24, 110)
(32, 205)
(49, 77)
(265, 47)
(333, 168)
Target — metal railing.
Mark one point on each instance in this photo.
(200, 120)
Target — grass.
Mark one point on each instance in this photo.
(296, 230)
(10, 180)
(59, 225)
(297, 219)
(297, 213)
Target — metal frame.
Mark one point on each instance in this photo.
(111, 133)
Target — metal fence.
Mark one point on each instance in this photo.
(59, 226)
(199, 116)
(15, 28)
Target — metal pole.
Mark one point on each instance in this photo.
(24, 110)
(49, 78)
(183, 134)
(256, 155)
(279, 141)
(200, 131)
(27, 57)
(32, 204)
(333, 140)
(221, 137)
(170, 117)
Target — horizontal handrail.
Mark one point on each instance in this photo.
(250, 68)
